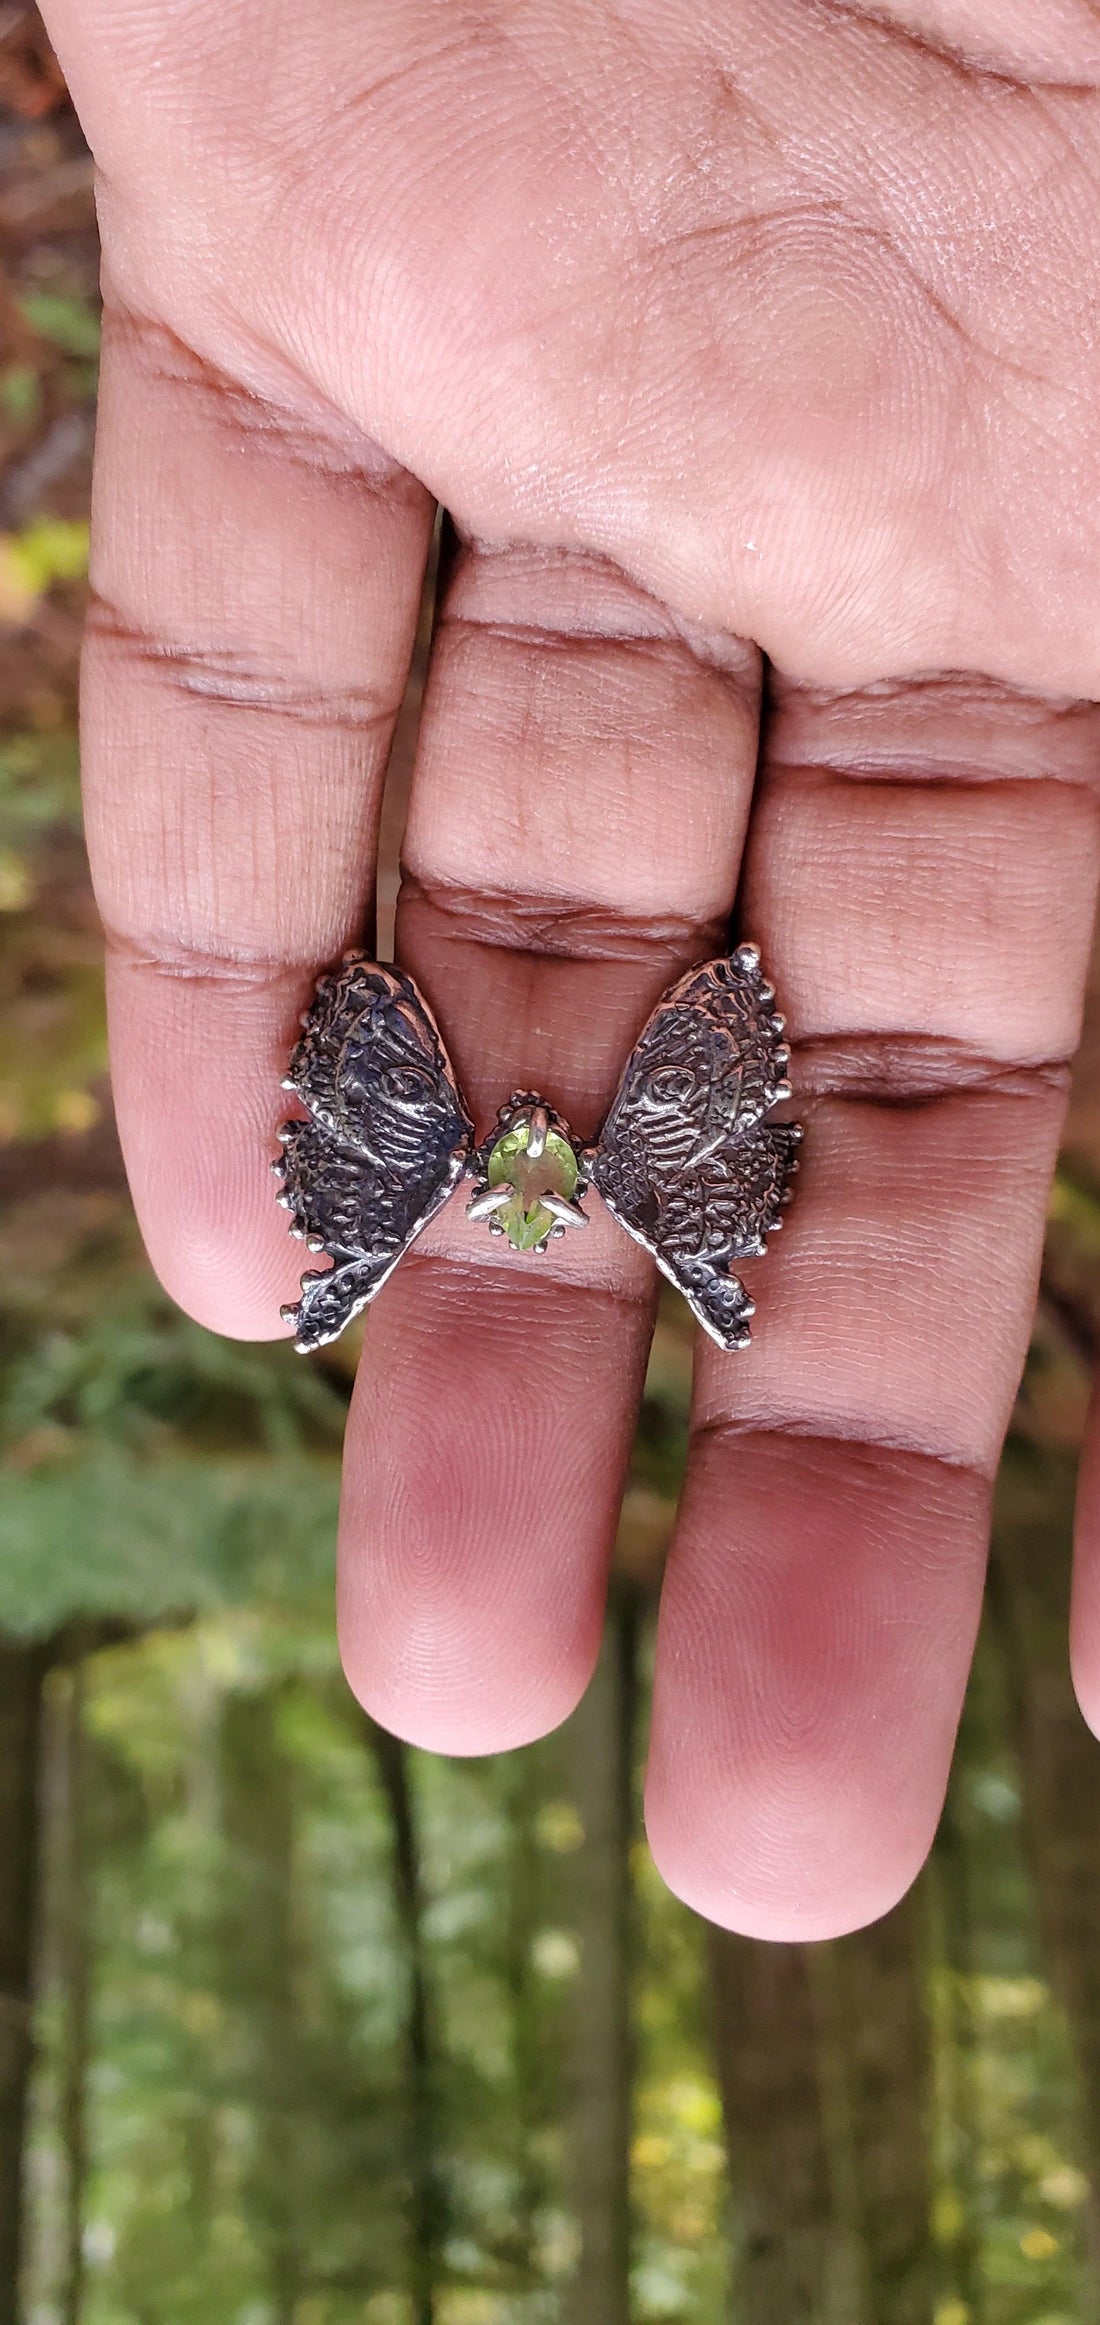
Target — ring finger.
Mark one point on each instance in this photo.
(922, 870)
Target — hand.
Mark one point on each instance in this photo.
(722, 330)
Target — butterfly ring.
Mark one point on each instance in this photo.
(686, 1161)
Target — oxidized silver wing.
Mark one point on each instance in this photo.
(685, 1160)
(386, 1139)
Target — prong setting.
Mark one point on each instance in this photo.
(529, 1176)
(493, 1200)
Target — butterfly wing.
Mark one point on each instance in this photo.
(685, 1160)
(385, 1139)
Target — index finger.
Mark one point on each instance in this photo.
(256, 572)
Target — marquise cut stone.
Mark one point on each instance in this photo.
(525, 1219)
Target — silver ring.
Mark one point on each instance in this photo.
(687, 1160)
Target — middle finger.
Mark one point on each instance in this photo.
(575, 829)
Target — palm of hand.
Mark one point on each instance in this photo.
(709, 326)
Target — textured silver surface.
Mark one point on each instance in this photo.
(385, 1141)
(685, 1160)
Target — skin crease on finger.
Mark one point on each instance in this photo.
(787, 315)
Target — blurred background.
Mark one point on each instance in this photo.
(301, 2027)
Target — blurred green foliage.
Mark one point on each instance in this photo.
(69, 323)
(53, 1049)
(39, 785)
(322, 2024)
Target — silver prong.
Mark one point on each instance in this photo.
(286, 1131)
(748, 956)
(783, 1090)
(487, 1204)
(315, 1243)
(779, 1022)
(289, 1312)
(287, 1082)
(277, 1167)
(285, 1202)
(297, 1232)
(559, 1207)
(496, 1226)
(538, 1123)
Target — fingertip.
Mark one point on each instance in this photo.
(485, 1449)
(817, 1872)
(234, 1286)
(197, 1098)
(433, 1692)
(815, 1635)
(1084, 1624)
(460, 1639)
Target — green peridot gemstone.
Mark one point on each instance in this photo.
(525, 1219)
